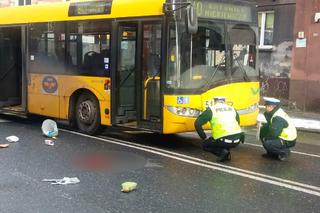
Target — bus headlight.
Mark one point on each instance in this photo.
(184, 111)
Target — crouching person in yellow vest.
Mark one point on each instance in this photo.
(226, 131)
(279, 134)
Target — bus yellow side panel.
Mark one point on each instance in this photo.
(49, 95)
(59, 12)
(129, 8)
(43, 96)
(70, 84)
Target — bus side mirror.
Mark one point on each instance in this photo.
(191, 20)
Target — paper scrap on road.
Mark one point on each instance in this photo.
(12, 139)
(63, 181)
(49, 142)
(128, 186)
(4, 145)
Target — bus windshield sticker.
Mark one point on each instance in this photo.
(49, 85)
(88, 39)
(102, 7)
(182, 100)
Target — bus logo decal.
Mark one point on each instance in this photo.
(50, 85)
(182, 100)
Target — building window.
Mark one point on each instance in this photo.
(266, 23)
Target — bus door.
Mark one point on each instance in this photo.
(125, 91)
(150, 102)
(11, 70)
(138, 99)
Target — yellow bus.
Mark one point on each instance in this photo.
(144, 64)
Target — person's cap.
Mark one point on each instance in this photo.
(219, 98)
(271, 101)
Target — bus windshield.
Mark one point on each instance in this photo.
(217, 54)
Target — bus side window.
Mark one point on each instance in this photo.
(47, 46)
(89, 46)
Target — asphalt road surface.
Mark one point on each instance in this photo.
(172, 172)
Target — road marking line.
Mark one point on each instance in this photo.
(296, 152)
(257, 145)
(4, 121)
(215, 166)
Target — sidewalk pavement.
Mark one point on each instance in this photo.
(305, 121)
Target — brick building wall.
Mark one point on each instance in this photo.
(305, 71)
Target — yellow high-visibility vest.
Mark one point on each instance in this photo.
(223, 121)
(289, 133)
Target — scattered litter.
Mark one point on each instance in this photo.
(49, 128)
(128, 186)
(4, 145)
(63, 181)
(260, 119)
(12, 139)
(49, 142)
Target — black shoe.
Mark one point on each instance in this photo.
(270, 155)
(284, 156)
(266, 155)
(224, 156)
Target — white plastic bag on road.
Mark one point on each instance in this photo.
(49, 128)
(63, 181)
(12, 139)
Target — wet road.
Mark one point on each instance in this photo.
(172, 172)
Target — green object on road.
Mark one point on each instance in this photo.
(128, 186)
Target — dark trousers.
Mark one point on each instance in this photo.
(278, 146)
(217, 146)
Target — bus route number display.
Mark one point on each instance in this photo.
(224, 11)
(90, 8)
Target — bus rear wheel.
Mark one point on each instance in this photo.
(88, 114)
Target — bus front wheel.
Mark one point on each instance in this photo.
(88, 114)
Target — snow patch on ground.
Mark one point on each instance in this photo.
(306, 123)
(298, 122)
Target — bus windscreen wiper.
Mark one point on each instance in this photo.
(214, 72)
(243, 70)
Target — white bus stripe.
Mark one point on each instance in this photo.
(227, 169)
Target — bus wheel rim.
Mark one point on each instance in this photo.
(86, 112)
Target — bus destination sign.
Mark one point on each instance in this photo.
(90, 8)
(225, 11)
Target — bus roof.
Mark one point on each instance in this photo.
(59, 11)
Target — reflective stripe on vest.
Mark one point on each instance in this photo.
(223, 121)
(289, 133)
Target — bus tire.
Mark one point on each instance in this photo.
(88, 114)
